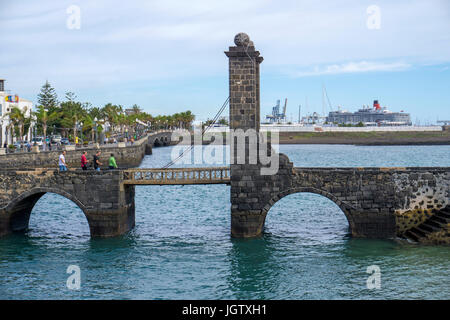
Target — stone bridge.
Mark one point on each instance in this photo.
(378, 202)
(161, 139)
(107, 203)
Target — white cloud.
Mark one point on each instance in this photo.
(122, 43)
(353, 67)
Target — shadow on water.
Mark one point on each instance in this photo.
(253, 271)
(126, 241)
(298, 256)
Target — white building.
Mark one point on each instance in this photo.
(7, 102)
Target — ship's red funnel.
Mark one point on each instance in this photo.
(376, 105)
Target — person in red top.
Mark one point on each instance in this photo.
(84, 161)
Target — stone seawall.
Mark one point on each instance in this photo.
(129, 156)
(126, 155)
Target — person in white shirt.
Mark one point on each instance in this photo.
(62, 161)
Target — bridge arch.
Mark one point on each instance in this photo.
(21, 207)
(345, 208)
(157, 143)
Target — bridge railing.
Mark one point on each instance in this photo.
(179, 176)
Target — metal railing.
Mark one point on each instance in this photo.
(177, 176)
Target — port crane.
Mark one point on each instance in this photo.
(276, 115)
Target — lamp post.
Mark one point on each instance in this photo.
(6, 135)
(45, 132)
(1, 133)
(33, 128)
(81, 131)
(95, 128)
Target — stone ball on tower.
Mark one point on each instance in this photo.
(242, 39)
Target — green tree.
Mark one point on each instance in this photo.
(223, 121)
(48, 97)
(73, 112)
(111, 114)
(17, 117)
(136, 109)
(43, 117)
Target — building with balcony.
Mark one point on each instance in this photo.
(9, 101)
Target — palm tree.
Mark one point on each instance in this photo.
(43, 117)
(187, 118)
(89, 125)
(111, 113)
(17, 117)
(72, 112)
(136, 109)
(95, 112)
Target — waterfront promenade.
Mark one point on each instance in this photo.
(127, 154)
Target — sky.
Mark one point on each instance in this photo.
(168, 56)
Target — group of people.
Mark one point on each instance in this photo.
(84, 161)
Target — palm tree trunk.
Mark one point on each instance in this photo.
(44, 128)
(21, 132)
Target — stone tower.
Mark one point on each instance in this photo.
(249, 194)
(244, 63)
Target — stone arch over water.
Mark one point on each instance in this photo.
(157, 143)
(20, 208)
(342, 207)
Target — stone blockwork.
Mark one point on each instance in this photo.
(107, 204)
(126, 155)
(106, 201)
(378, 202)
(244, 84)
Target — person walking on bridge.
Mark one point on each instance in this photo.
(84, 161)
(112, 162)
(97, 162)
(62, 161)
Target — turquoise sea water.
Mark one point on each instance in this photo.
(181, 246)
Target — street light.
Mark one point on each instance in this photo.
(95, 133)
(81, 131)
(1, 133)
(45, 135)
(33, 127)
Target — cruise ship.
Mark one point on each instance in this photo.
(376, 116)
